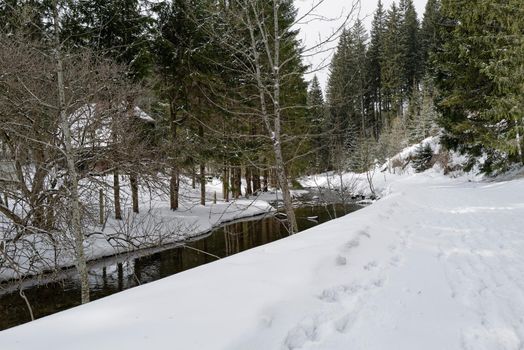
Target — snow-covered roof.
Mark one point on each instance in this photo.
(91, 124)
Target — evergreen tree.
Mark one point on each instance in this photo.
(115, 28)
(480, 79)
(359, 79)
(338, 91)
(184, 52)
(422, 121)
(347, 86)
(30, 18)
(391, 63)
(422, 157)
(429, 39)
(317, 118)
(410, 47)
(374, 68)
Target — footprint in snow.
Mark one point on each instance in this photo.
(334, 294)
(304, 332)
(364, 233)
(395, 260)
(383, 217)
(355, 242)
(340, 260)
(370, 265)
(343, 324)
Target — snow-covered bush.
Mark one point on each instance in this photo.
(422, 159)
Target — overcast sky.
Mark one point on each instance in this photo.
(313, 31)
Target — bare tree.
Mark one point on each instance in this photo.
(57, 110)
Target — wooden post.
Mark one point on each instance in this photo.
(215, 197)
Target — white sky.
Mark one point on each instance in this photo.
(313, 31)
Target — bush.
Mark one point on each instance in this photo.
(422, 158)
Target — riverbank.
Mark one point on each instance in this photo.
(154, 226)
(435, 264)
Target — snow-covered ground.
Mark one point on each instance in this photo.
(154, 226)
(436, 263)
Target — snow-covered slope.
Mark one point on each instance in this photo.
(436, 264)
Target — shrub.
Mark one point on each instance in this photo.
(422, 158)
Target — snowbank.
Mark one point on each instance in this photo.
(154, 226)
(376, 182)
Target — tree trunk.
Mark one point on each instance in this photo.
(255, 175)
(116, 192)
(173, 184)
(193, 176)
(265, 180)
(273, 122)
(249, 188)
(286, 194)
(238, 180)
(133, 180)
(101, 206)
(225, 183)
(202, 183)
(202, 168)
(173, 189)
(74, 197)
(232, 182)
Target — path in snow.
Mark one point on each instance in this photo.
(438, 264)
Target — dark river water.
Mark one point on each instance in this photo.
(111, 275)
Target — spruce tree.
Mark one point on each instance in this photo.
(115, 28)
(374, 68)
(317, 118)
(359, 79)
(479, 68)
(410, 47)
(429, 33)
(338, 90)
(422, 157)
(391, 64)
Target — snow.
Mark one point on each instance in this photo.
(436, 263)
(155, 225)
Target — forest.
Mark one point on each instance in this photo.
(102, 101)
